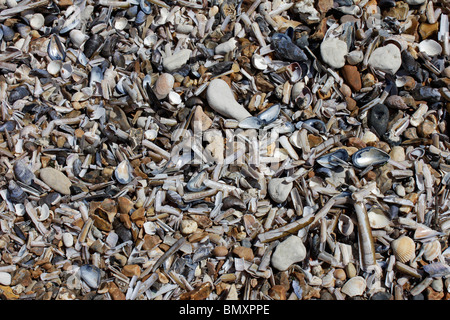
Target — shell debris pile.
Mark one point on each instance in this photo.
(224, 149)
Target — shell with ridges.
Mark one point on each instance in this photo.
(404, 248)
(432, 250)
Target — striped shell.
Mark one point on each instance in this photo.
(404, 249)
(431, 250)
(354, 286)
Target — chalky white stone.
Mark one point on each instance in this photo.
(221, 98)
(5, 278)
(279, 189)
(176, 60)
(225, 47)
(333, 52)
(288, 252)
(387, 59)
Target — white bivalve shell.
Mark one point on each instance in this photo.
(354, 286)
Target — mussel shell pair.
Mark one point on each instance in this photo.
(15, 193)
(333, 159)
(369, 156)
(264, 118)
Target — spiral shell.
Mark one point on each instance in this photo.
(432, 250)
(404, 249)
(354, 286)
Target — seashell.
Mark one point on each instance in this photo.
(149, 227)
(96, 75)
(345, 225)
(54, 67)
(259, 62)
(432, 250)
(55, 49)
(123, 172)
(316, 124)
(333, 159)
(369, 156)
(233, 202)
(9, 125)
(17, 94)
(145, 6)
(120, 23)
(37, 21)
(437, 269)
(354, 286)
(377, 218)
(16, 193)
(22, 173)
(302, 98)
(77, 37)
(251, 123)
(195, 184)
(8, 33)
(270, 114)
(42, 212)
(91, 275)
(404, 249)
(92, 45)
(430, 47)
(141, 17)
(66, 70)
(285, 49)
(296, 71)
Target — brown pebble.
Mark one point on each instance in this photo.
(220, 251)
(352, 77)
(277, 292)
(244, 252)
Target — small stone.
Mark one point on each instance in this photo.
(399, 12)
(138, 216)
(426, 30)
(288, 252)
(324, 5)
(200, 121)
(368, 80)
(314, 140)
(356, 142)
(220, 251)
(350, 270)
(163, 85)
(279, 190)
(220, 98)
(124, 205)
(5, 278)
(151, 241)
(354, 57)
(115, 292)
(396, 102)
(131, 270)
(67, 239)
(56, 180)
(278, 292)
(225, 47)
(201, 292)
(352, 77)
(188, 226)
(351, 103)
(333, 52)
(339, 274)
(398, 154)
(8, 293)
(244, 253)
(378, 119)
(387, 59)
(434, 295)
(176, 60)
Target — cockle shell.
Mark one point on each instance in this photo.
(377, 218)
(404, 249)
(354, 286)
(432, 250)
